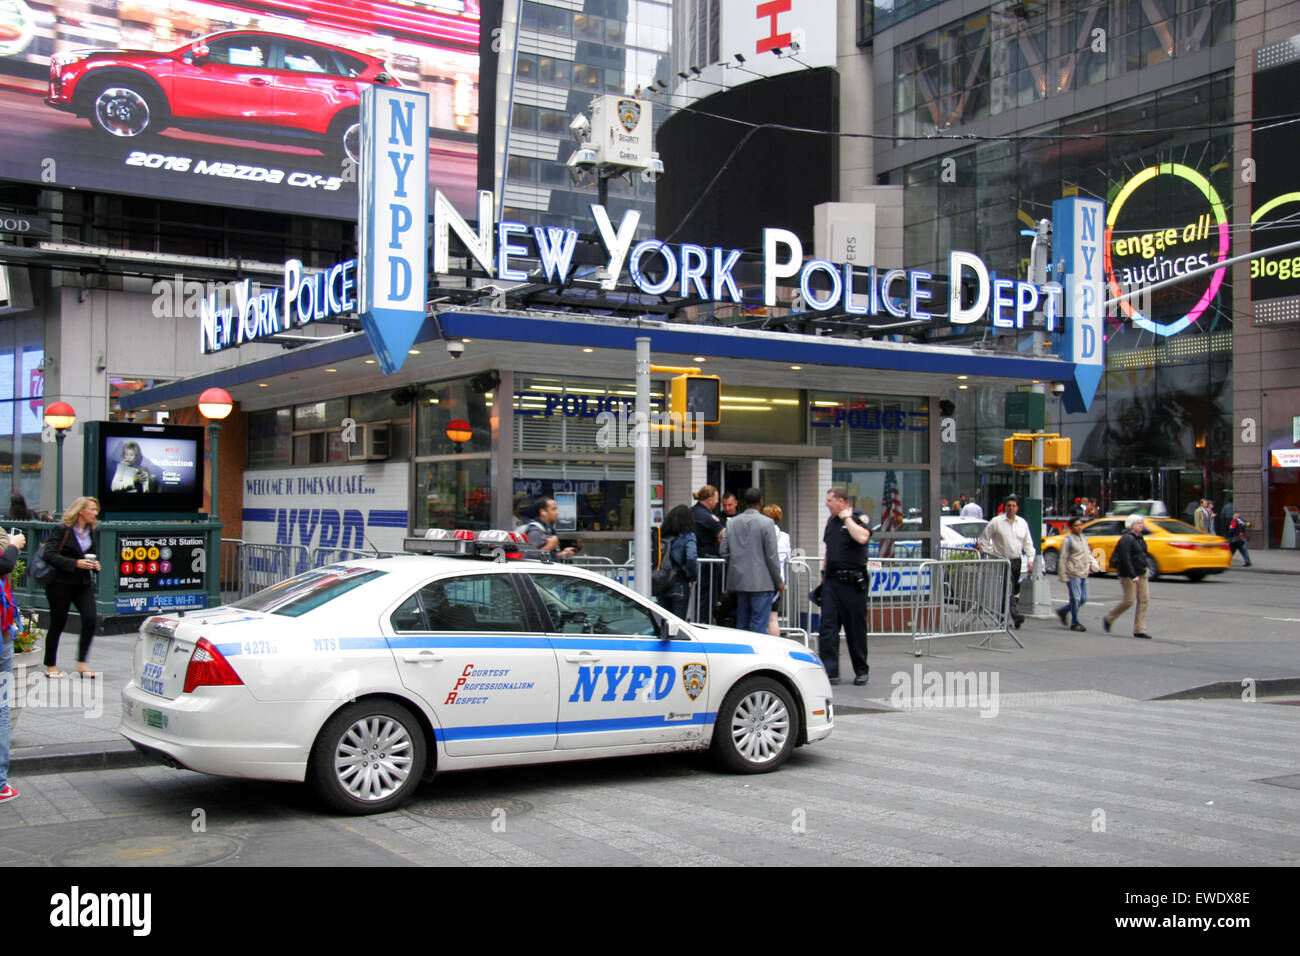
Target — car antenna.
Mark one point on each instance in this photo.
(378, 553)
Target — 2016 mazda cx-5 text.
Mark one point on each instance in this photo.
(241, 83)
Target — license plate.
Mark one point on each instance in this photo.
(156, 652)
(154, 718)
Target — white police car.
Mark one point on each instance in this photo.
(366, 677)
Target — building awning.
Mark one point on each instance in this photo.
(556, 342)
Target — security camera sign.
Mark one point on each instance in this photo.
(621, 128)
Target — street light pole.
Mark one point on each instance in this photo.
(60, 416)
(214, 405)
(641, 526)
(59, 435)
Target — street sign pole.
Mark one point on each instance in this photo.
(641, 525)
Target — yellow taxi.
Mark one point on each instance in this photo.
(1174, 546)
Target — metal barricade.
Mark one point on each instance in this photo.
(926, 599)
(263, 565)
(709, 586)
(794, 609)
(231, 569)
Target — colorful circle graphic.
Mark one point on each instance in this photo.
(1216, 279)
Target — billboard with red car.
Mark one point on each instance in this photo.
(239, 103)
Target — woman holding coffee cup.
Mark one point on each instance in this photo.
(70, 550)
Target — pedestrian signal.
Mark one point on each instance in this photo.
(1018, 452)
(696, 395)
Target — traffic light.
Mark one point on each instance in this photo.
(1018, 452)
(698, 395)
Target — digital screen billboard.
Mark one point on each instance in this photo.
(249, 104)
(139, 467)
(1275, 200)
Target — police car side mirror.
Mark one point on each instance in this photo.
(669, 630)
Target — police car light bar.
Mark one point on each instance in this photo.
(494, 544)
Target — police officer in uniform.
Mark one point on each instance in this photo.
(844, 586)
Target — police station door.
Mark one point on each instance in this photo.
(775, 479)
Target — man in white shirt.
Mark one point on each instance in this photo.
(972, 509)
(1008, 536)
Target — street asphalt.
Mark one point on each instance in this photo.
(1227, 636)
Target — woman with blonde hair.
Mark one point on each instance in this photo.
(783, 551)
(70, 550)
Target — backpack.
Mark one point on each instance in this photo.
(665, 575)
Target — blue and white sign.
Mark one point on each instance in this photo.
(1077, 246)
(393, 223)
(331, 507)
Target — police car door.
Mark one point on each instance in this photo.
(620, 685)
(463, 643)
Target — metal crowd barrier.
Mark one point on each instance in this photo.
(263, 565)
(231, 569)
(928, 599)
(794, 607)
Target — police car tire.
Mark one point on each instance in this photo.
(345, 729)
(757, 714)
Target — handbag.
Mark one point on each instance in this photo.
(41, 571)
(666, 574)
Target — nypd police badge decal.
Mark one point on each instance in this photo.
(629, 114)
(693, 679)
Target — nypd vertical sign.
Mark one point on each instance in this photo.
(1077, 236)
(393, 222)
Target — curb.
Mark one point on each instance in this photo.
(71, 758)
(1231, 690)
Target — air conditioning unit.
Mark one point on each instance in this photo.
(371, 443)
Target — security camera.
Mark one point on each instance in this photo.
(655, 170)
(455, 348)
(1058, 388)
(580, 127)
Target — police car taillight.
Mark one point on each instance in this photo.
(208, 668)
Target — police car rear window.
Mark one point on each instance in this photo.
(306, 592)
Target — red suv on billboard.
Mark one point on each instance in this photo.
(239, 82)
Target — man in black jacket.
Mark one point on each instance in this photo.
(1132, 565)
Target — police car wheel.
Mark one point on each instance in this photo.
(368, 758)
(756, 728)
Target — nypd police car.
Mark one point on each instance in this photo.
(365, 677)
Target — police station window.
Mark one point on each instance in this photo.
(555, 414)
(320, 414)
(871, 427)
(270, 438)
(454, 418)
(758, 415)
(896, 500)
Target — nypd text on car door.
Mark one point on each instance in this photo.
(620, 683)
